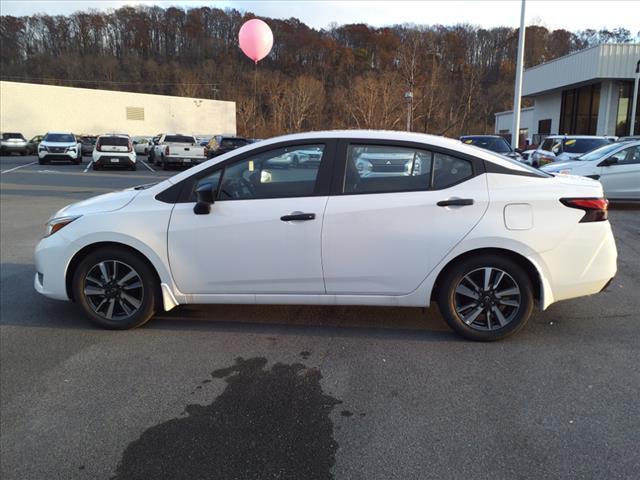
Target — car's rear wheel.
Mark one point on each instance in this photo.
(95, 166)
(486, 298)
(116, 289)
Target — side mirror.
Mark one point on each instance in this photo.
(608, 162)
(205, 198)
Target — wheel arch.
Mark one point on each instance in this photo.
(532, 270)
(88, 249)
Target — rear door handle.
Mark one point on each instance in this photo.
(455, 202)
(298, 217)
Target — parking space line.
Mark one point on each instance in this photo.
(19, 166)
(88, 166)
(147, 165)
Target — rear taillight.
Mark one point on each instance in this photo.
(166, 151)
(98, 147)
(596, 209)
(130, 147)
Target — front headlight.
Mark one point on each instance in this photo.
(42, 148)
(56, 224)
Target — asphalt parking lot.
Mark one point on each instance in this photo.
(257, 392)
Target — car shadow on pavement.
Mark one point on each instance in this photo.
(21, 305)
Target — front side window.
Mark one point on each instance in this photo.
(380, 169)
(284, 172)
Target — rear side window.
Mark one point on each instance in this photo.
(179, 139)
(115, 141)
(381, 169)
(448, 170)
(7, 136)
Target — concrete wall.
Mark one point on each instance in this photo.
(548, 106)
(36, 109)
(504, 121)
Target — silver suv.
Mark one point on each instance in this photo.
(13, 142)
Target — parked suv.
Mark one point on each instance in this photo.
(114, 150)
(219, 145)
(493, 143)
(88, 143)
(59, 146)
(13, 142)
(556, 148)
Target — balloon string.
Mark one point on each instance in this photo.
(255, 93)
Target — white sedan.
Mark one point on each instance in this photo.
(486, 237)
(616, 166)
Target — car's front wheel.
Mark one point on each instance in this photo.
(116, 289)
(486, 298)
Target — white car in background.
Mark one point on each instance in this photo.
(485, 236)
(115, 150)
(60, 146)
(558, 148)
(616, 166)
(142, 145)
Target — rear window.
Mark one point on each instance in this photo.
(233, 142)
(115, 141)
(179, 139)
(7, 136)
(59, 137)
(582, 145)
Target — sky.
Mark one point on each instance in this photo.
(569, 14)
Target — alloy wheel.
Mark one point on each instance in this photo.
(487, 298)
(113, 290)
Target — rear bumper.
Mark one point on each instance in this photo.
(584, 263)
(114, 161)
(186, 161)
(13, 148)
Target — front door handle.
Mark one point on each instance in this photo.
(298, 217)
(455, 202)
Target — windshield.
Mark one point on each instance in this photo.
(598, 153)
(179, 139)
(60, 137)
(498, 145)
(582, 145)
(7, 136)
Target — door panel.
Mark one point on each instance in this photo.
(622, 180)
(243, 246)
(387, 243)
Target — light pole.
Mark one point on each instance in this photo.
(408, 97)
(634, 102)
(515, 135)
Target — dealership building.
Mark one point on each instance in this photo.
(34, 109)
(589, 92)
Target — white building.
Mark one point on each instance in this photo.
(34, 109)
(588, 92)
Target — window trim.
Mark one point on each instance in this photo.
(181, 192)
(337, 185)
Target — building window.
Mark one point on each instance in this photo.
(135, 113)
(579, 110)
(623, 119)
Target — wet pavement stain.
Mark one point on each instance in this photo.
(267, 424)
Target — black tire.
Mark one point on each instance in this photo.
(481, 327)
(133, 167)
(148, 294)
(165, 165)
(41, 161)
(95, 166)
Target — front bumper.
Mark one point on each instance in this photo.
(63, 156)
(52, 257)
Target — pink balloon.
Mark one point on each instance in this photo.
(256, 39)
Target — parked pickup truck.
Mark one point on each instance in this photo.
(174, 149)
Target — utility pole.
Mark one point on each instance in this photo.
(634, 103)
(408, 96)
(517, 93)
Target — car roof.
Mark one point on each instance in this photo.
(599, 137)
(61, 133)
(124, 135)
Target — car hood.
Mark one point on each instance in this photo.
(58, 144)
(107, 202)
(557, 166)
